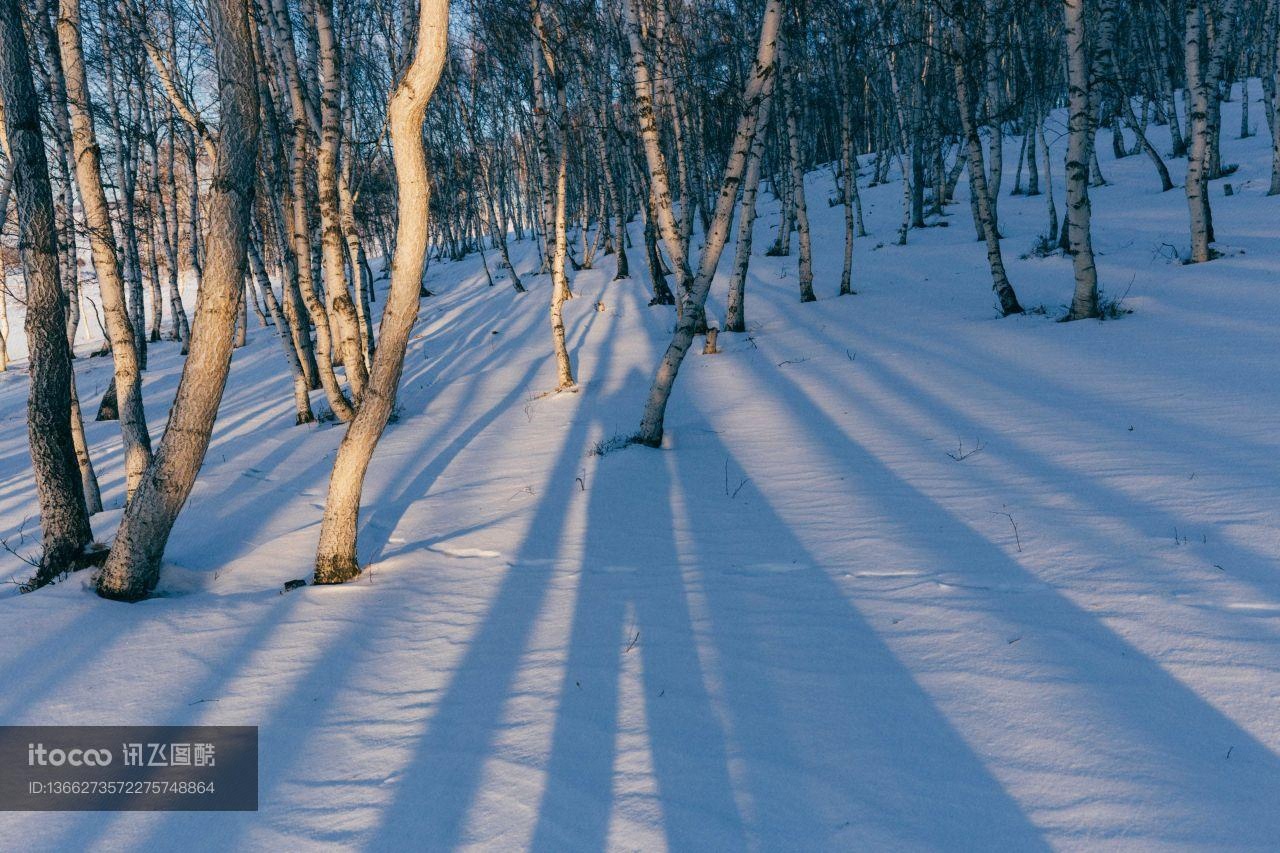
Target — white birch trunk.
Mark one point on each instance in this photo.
(336, 554)
(1084, 302)
(93, 199)
(755, 100)
(1197, 184)
(133, 566)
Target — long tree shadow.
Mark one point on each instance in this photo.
(1159, 427)
(1142, 711)
(407, 486)
(834, 739)
(631, 602)
(449, 728)
(441, 781)
(1148, 517)
(911, 393)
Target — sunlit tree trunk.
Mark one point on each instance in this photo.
(559, 278)
(332, 244)
(298, 221)
(659, 179)
(336, 554)
(93, 199)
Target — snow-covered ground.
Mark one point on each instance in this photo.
(801, 625)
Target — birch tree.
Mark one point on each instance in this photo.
(1084, 302)
(111, 289)
(1005, 296)
(64, 518)
(755, 100)
(1197, 183)
(133, 566)
(336, 559)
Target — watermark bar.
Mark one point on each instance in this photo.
(128, 768)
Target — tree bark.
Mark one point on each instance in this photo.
(336, 554)
(655, 160)
(559, 278)
(332, 243)
(978, 184)
(93, 198)
(64, 518)
(1084, 302)
(1197, 184)
(1275, 113)
(298, 222)
(792, 104)
(133, 566)
(735, 318)
(755, 100)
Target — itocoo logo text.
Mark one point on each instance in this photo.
(37, 755)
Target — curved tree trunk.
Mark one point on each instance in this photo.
(978, 185)
(336, 553)
(133, 566)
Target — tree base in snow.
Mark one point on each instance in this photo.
(331, 569)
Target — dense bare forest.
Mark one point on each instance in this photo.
(232, 226)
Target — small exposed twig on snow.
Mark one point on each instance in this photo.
(1016, 538)
(960, 455)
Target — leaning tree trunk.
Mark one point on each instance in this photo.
(128, 379)
(133, 566)
(299, 221)
(64, 519)
(336, 553)
(301, 399)
(658, 175)
(978, 185)
(332, 244)
(1084, 303)
(755, 100)
(1197, 184)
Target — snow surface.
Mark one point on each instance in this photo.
(801, 625)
